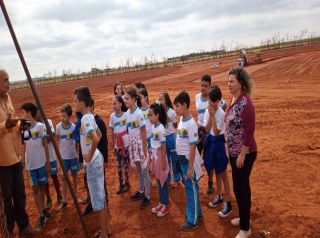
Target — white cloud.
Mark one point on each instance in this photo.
(77, 35)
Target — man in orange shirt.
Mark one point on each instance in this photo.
(11, 168)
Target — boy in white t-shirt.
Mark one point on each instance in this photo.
(202, 102)
(215, 157)
(189, 159)
(93, 159)
(36, 159)
(53, 165)
(68, 151)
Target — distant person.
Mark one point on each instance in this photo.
(190, 161)
(242, 147)
(139, 85)
(216, 157)
(171, 126)
(93, 159)
(68, 150)
(11, 168)
(36, 159)
(120, 138)
(117, 89)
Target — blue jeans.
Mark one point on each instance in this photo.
(192, 192)
(164, 192)
(173, 157)
(95, 178)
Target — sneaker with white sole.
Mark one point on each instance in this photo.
(226, 210)
(164, 211)
(244, 234)
(156, 209)
(216, 201)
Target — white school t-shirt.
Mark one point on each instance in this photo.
(52, 153)
(158, 136)
(201, 106)
(67, 144)
(35, 156)
(187, 135)
(219, 116)
(135, 121)
(88, 125)
(118, 123)
(145, 113)
(172, 119)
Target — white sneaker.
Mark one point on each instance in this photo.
(244, 234)
(236, 221)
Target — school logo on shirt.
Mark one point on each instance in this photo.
(69, 135)
(88, 140)
(146, 115)
(156, 136)
(122, 122)
(35, 134)
(182, 133)
(134, 124)
(169, 119)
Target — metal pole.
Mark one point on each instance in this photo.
(35, 94)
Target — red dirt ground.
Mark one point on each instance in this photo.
(285, 182)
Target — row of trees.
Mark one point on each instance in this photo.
(128, 65)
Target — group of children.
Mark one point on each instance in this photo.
(154, 138)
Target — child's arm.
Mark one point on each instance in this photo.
(191, 161)
(144, 139)
(95, 141)
(175, 125)
(113, 142)
(46, 151)
(216, 131)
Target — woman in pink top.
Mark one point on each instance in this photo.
(242, 148)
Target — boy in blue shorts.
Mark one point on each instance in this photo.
(92, 158)
(36, 159)
(189, 159)
(68, 151)
(53, 166)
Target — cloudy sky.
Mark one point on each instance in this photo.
(79, 34)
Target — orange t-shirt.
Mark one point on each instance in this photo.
(9, 139)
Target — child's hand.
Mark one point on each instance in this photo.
(87, 158)
(189, 173)
(211, 110)
(48, 167)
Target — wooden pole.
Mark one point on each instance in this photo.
(36, 96)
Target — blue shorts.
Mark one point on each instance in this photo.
(71, 165)
(95, 179)
(215, 157)
(54, 168)
(38, 176)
